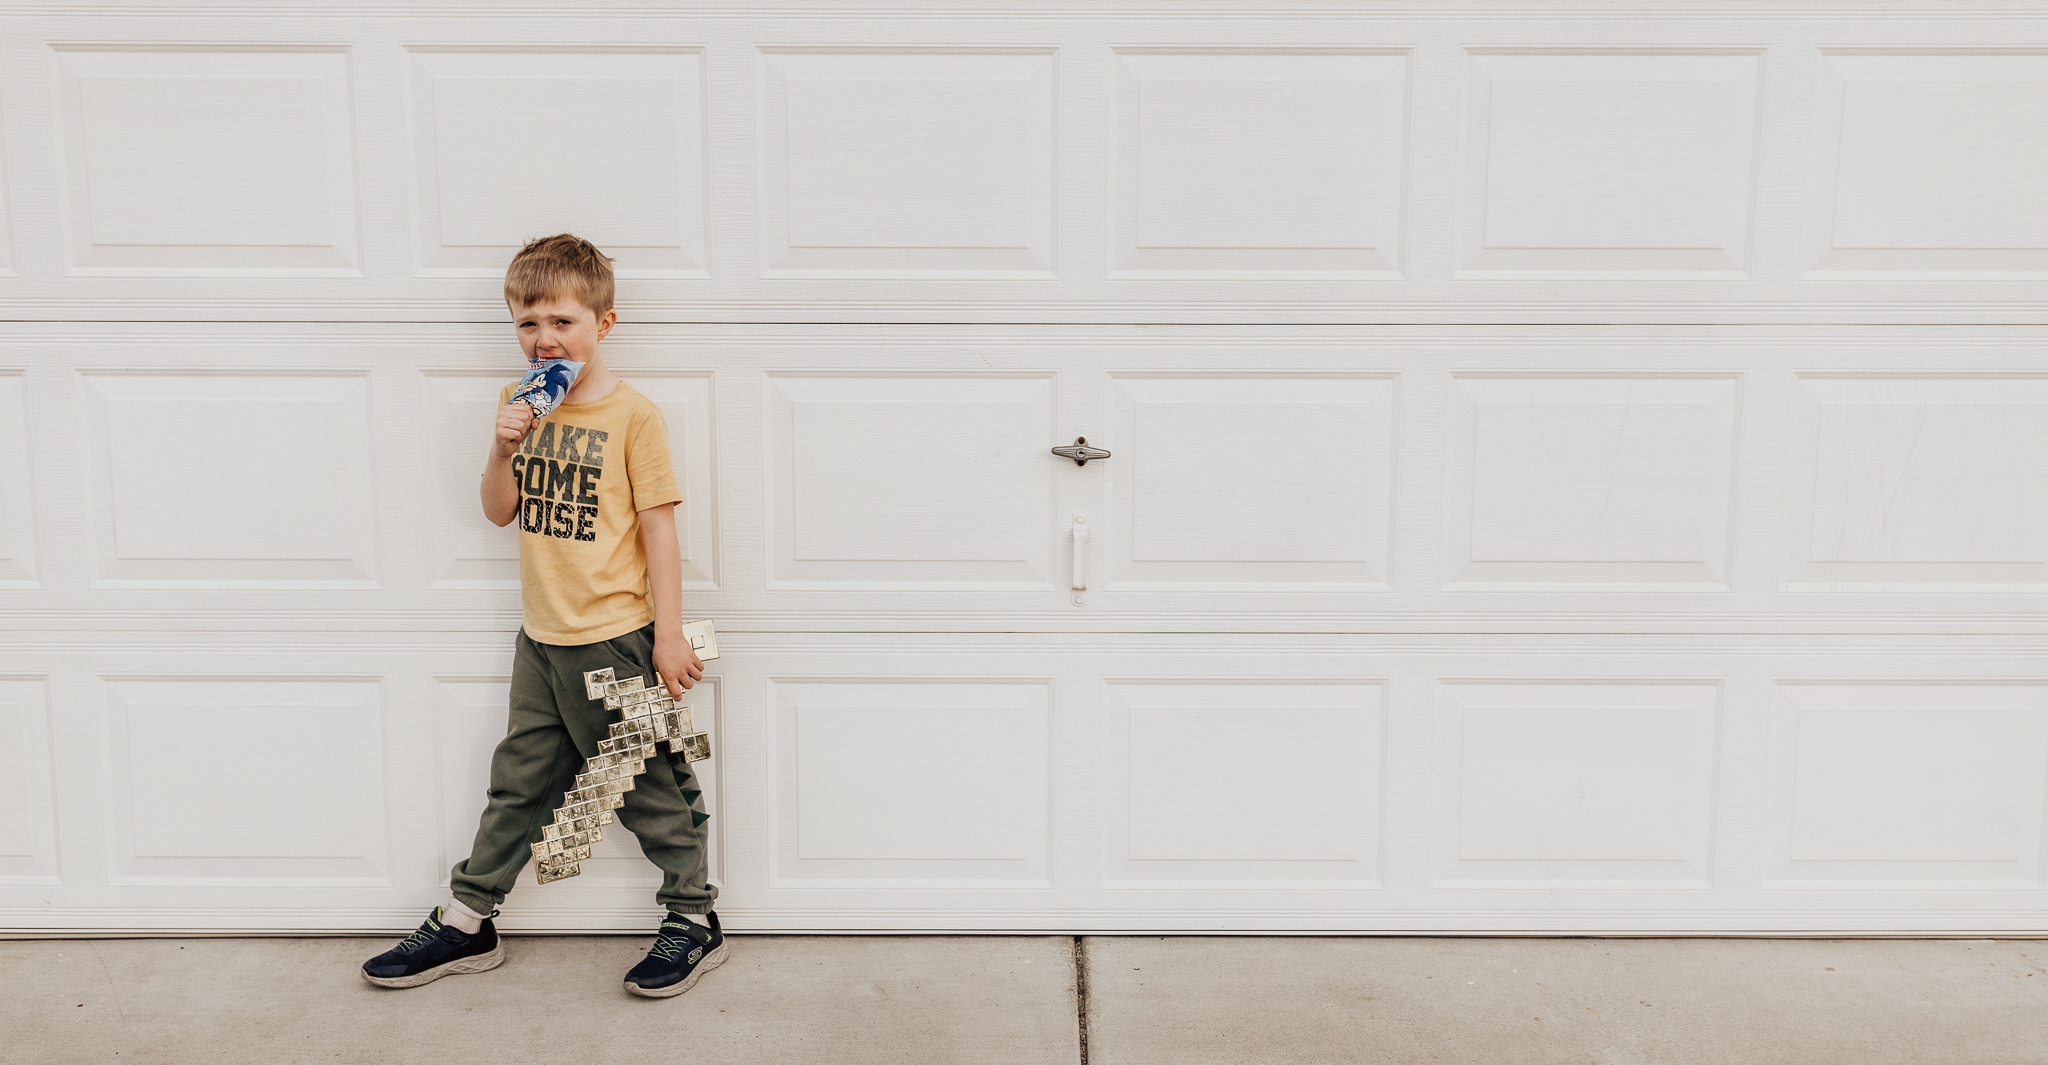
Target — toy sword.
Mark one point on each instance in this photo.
(647, 716)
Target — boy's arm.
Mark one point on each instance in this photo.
(674, 658)
(500, 490)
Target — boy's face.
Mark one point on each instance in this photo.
(558, 327)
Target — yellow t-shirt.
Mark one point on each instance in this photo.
(585, 473)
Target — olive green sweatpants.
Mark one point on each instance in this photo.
(554, 727)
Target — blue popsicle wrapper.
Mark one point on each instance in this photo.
(545, 383)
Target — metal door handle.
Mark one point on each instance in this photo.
(1080, 552)
(1080, 452)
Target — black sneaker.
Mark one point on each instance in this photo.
(683, 951)
(436, 950)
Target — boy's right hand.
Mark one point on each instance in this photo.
(514, 419)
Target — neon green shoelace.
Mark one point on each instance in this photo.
(422, 935)
(667, 947)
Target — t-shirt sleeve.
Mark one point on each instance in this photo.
(648, 467)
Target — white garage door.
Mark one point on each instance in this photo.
(1570, 470)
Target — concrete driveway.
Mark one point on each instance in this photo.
(1047, 1000)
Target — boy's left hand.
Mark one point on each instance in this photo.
(677, 662)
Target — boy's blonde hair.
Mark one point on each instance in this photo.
(561, 265)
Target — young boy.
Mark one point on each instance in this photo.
(600, 579)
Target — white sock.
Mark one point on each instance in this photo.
(462, 918)
(694, 918)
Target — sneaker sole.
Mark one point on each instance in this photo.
(481, 963)
(711, 961)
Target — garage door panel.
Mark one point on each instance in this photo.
(477, 193)
(1909, 785)
(7, 224)
(909, 480)
(879, 781)
(18, 464)
(28, 794)
(270, 781)
(1259, 163)
(1601, 783)
(470, 717)
(923, 163)
(217, 163)
(1608, 162)
(1590, 481)
(1920, 164)
(211, 479)
(687, 401)
(458, 411)
(1236, 781)
(1922, 481)
(1251, 480)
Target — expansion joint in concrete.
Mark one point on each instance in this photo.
(1081, 994)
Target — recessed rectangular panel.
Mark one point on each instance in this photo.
(1929, 163)
(1906, 785)
(685, 401)
(1247, 480)
(6, 216)
(1256, 781)
(28, 796)
(1608, 481)
(231, 480)
(474, 716)
(910, 480)
(1607, 163)
(19, 532)
(470, 552)
(461, 411)
(1597, 781)
(907, 163)
(900, 780)
(1919, 482)
(243, 780)
(207, 162)
(483, 185)
(1258, 163)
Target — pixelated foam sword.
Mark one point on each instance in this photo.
(647, 716)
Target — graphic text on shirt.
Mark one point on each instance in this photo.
(558, 469)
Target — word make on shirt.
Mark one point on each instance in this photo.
(558, 468)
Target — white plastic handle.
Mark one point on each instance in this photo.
(1080, 553)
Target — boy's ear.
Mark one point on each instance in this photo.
(604, 324)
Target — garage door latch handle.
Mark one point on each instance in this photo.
(1080, 452)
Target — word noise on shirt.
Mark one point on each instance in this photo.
(558, 469)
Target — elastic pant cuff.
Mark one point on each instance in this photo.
(475, 905)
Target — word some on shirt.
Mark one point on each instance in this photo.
(558, 468)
